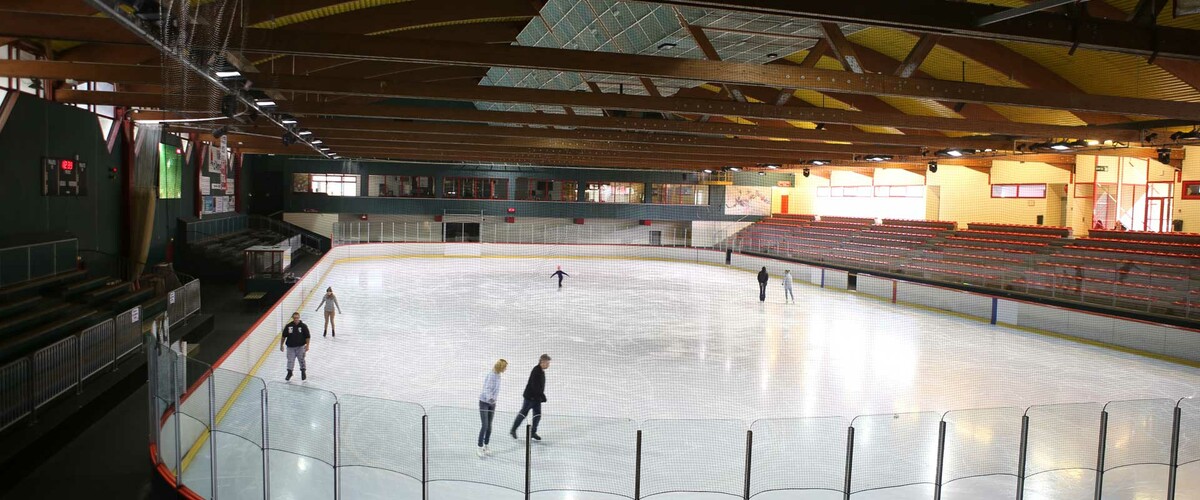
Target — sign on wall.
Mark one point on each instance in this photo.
(747, 200)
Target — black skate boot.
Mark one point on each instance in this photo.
(289, 375)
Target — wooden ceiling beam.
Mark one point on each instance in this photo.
(642, 124)
(842, 50)
(916, 57)
(959, 18)
(488, 55)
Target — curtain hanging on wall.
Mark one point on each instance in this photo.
(144, 194)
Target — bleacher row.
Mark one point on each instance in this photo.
(228, 249)
(38, 313)
(1150, 272)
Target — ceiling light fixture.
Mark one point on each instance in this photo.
(818, 162)
(289, 121)
(305, 132)
(317, 141)
(667, 45)
(232, 73)
(878, 158)
(806, 172)
(708, 170)
(266, 103)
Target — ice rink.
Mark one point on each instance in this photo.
(640, 342)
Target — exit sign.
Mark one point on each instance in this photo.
(1102, 168)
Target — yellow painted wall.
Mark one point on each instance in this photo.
(1189, 210)
(966, 196)
(804, 192)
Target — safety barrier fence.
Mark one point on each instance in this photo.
(29, 383)
(345, 233)
(28, 262)
(273, 439)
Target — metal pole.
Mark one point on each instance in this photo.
(941, 458)
(266, 447)
(178, 438)
(152, 387)
(212, 434)
(849, 461)
(424, 457)
(637, 469)
(1021, 457)
(1173, 471)
(1100, 453)
(337, 471)
(528, 432)
(749, 454)
(79, 365)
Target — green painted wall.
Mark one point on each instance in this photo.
(37, 129)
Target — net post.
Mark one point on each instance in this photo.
(1100, 454)
(178, 437)
(1173, 471)
(749, 453)
(424, 457)
(849, 461)
(528, 432)
(337, 470)
(941, 460)
(266, 447)
(212, 432)
(637, 469)
(1021, 457)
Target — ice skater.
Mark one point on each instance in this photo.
(787, 286)
(762, 284)
(487, 405)
(295, 338)
(330, 302)
(535, 395)
(560, 275)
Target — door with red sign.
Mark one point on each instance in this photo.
(783, 204)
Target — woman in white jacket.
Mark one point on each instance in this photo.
(487, 405)
(787, 287)
(330, 302)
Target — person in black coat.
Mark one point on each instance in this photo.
(535, 395)
(762, 284)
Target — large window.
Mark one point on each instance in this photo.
(170, 172)
(616, 192)
(475, 188)
(679, 194)
(551, 190)
(330, 184)
(1018, 190)
(26, 85)
(400, 186)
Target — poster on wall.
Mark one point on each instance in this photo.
(220, 204)
(205, 187)
(210, 205)
(170, 172)
(218, 163)
(747, 200)
(301, 183)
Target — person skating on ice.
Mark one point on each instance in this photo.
(295, 338)
(487, 405)
(787, 287)
(560, 275)
(535, 395)
(762, 284)
(330, 302)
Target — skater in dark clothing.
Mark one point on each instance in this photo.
(295, 338)
(762, 284)
(535, 395)
(728, 256)
(560, 275)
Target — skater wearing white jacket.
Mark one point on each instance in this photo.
(787, 287)
(487, 405)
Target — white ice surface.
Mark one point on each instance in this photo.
(636, 342)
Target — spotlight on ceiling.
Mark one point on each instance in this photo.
(1194, 135)
(762, 173)
(1151, 137)
(229, 106)
(1060, 146)
(806, 172)
(820, 126)
(1164, 155)
(667, 45)
(288, 139)
(220, 132)
(933, 166)
(708, 170)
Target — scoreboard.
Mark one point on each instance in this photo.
(64, 177)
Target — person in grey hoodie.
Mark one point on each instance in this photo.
(331, 303)
(787, 287)
(487, 405)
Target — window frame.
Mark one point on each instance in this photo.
(1183, 191)
(1019, 191)
(642, 189)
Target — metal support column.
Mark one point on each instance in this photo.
(1100, 454)
(1172, 473)
(1022, 454)
(424, 457)
(337, 471)
(528, 470)
(266, 447)
(849, 462)
(941, 460)
(749, 454)
(637, 469)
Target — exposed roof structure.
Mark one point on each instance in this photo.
(681, 84)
